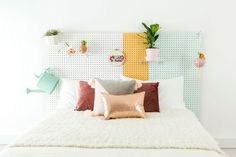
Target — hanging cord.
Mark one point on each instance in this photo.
(63, 47)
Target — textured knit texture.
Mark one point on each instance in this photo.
(171, 129)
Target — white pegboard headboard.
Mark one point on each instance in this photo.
(82, 67)
(178, 50)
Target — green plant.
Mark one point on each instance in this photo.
(52, 32)
(83, 42)
(150, 34)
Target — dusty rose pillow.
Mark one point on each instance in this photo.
(86, 97)
(151, 102)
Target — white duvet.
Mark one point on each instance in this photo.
(174, 129)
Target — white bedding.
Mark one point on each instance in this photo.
(171, 132)
(108, 152)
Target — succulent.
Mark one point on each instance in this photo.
(150, 34)
(201, 55)
(52, 32)
(83, 42)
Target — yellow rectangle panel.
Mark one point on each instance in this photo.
(135, 52)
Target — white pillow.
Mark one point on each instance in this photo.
(69, 94)
(170, 92)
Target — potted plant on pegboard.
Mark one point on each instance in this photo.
(152, 52)
(52, 37)
(83, 47)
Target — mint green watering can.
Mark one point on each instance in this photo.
(47, 82)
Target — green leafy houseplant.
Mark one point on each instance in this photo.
(150, 34)
(52, 32)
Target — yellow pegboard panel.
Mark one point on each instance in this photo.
(135, 52)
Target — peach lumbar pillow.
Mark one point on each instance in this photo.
(123, 106)
(115, 87)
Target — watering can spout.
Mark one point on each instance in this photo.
(33, 90)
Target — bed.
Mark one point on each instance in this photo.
(68, 133)
(170, 133)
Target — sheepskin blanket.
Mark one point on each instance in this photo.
(177, 129)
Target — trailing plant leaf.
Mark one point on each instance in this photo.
(141, 36)
(67, 44)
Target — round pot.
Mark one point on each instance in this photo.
(52, 40)
(71, 51)
(152, 54)
(199, 62)
(83, 49)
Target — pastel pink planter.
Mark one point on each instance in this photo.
(152, 55)
(198, 62)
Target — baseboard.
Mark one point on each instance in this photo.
(227, 143)
(7, 138)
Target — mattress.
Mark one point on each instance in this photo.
(175, 132)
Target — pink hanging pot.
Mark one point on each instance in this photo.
(200, 61)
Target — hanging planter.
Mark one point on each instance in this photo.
(52, 37)
(70, 50)
(200, 61)
(152, 52)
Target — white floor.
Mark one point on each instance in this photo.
(229, 152)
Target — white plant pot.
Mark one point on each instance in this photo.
(52, 40)
(152, 54)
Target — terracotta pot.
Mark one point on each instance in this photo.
(83, 49)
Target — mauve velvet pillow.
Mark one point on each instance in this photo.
(86, 97)
(151, 102)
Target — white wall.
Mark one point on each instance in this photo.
(22, 24)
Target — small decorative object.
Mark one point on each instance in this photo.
(47, 82)
(200, 61)
(152, 52)
(70, 50)
(83, 48)
(52, 37)
(117, 58)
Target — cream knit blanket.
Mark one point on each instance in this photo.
(178, 129)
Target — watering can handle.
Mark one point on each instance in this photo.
(47, 70)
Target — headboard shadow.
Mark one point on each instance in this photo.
(177, 52)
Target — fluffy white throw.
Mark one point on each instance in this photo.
(177, 129)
